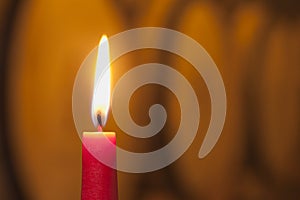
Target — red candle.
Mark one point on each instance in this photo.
(98, 180)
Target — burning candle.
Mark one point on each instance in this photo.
(98, 180)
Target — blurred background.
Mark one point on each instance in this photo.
(256, 46)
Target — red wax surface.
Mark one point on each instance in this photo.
(99, 182)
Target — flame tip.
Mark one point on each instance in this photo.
(103, 38)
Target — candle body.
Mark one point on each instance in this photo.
(98, 180)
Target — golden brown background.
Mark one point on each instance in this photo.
(255, 45)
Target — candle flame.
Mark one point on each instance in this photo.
(101, 97)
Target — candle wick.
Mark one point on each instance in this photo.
(99, 119)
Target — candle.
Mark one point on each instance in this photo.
(98, 180)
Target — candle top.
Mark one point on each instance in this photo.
(97, 134)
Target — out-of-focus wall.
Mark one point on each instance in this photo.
(256, 46)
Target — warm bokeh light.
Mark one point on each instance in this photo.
(101, 97)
